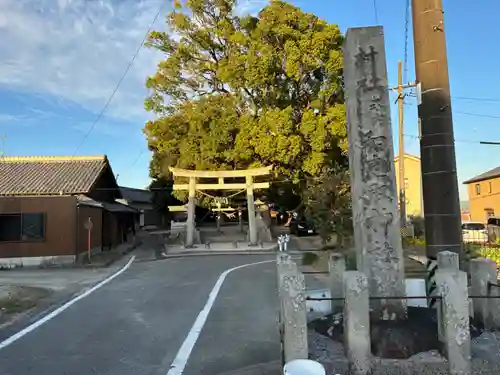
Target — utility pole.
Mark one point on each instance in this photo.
(401, 175)
(437, 146)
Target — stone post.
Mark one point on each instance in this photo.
(357, 323)
(284, 266)
(294, 313)
(336, 268)
(446, 260)
(483, 271)
(371, 163)
(252, 226)
(452, 287)
(190, 224)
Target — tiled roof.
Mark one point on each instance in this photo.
(493, 173)
(135, 195)
(112, 207)
(49, 175)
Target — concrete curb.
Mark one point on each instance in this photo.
(226, 252)
(268, 368)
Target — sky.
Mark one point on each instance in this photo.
(61, 60)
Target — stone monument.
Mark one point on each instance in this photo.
(371, 162)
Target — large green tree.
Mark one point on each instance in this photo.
(237, 92)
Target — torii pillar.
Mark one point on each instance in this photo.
(252, 226)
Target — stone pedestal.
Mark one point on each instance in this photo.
(371, 164)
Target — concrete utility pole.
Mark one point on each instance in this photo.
(401, 173)
(437, 146)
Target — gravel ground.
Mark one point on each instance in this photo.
(16, 300)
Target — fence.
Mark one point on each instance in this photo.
(349, 291)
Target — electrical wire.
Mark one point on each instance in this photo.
(101, 113)
(465, 113)
(412, 136)
(407, 22)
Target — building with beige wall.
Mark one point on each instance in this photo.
(413, 184)
(484, 195)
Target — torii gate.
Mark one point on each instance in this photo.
(249, 185)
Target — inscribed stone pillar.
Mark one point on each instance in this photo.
(252, 227)
(190, 225)
(371, 162)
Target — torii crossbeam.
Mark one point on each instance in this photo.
(249, 185)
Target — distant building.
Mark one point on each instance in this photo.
(484, 195)
(141, 200)
(413, 184)
(46, 204)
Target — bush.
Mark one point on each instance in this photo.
(490, 253)
(309, 259)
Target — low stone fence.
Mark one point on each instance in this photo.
(350, 294)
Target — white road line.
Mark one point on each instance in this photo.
(59, 310)
(179, 363)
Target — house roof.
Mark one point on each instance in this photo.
(50, 175)
(135, 195)
(112, 207)
(493, 173)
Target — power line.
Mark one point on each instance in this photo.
(412, 136)
(477, 99)
(375, 10)
(465, 113)
(120, 80)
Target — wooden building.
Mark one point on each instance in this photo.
(47, 203)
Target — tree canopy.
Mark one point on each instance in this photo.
(237, 92)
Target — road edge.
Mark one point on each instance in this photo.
(44, 316)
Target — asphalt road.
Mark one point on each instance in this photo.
(136, 324)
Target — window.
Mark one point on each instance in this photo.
(489, 187)
(478, 189)
(22, 227)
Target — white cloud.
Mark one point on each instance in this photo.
(77, 50)
(250, 6)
